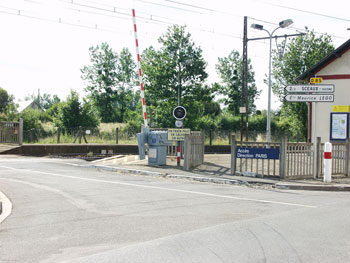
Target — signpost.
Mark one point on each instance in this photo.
(310, 97)
(320, 88)
(258, 153)
(311, 93)
(242, 110)
(177, 134)
(316, 80)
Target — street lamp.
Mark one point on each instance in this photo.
(282, 24)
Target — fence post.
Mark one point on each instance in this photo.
(203, 147)
(210, 138)
(116, 135)
(58, 135)
(80, 134)
(20, 134)
(318, 159)
(347, 158)
(233, 154)
(283, 155)
(187, 150)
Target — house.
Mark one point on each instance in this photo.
(332, 118)
(33, 105)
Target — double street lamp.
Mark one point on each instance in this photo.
(282, 24)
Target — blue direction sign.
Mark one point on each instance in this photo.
(257, 153)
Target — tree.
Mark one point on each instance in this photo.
(301, 54)
(230, 71)
(177, 66)
(72, 113)
(8, 108)
(5, 99)
(110, 79)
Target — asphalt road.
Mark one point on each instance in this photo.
(63, 212)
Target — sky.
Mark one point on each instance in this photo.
(45, 43)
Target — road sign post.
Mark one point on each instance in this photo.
(311, 93)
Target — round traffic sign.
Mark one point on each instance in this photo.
(178, 123)
(179, 112)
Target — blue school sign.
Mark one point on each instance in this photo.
(258, 153)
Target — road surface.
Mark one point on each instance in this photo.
(63, 212)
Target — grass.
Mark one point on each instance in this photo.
(104, 134)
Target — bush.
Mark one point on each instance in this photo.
(73, 113)
(228, 122)
(31, 119)
(131, 128)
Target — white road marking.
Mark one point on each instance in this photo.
(6, 207)
(160, 188)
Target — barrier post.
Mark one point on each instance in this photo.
(20, 132)
(347, 158)
(283, 155)
(327, 162)
(233, 154)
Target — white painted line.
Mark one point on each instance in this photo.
(6, 207)
(160, 188)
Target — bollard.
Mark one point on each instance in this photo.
(327, 172)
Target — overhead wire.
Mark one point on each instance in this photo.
(307, 12)
(142, 19)
(59, 20)
(271, 23)
(126, 16)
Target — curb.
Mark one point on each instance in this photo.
(312, 187)
(126, 170)
(171, 176)
(281, 186)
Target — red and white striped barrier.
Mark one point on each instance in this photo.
(178, 155)
(140, 71)
(327, 171)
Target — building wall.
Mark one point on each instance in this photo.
(341, 94)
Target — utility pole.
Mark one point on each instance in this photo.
(245, 80)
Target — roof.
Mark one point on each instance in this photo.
(325, 61)
(33, 105)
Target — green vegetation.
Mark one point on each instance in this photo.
(230, 71)
(110, 78)
(176, 66)
(301, 53)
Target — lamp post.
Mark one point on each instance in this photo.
(282, 24)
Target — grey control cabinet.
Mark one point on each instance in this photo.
(157, 147)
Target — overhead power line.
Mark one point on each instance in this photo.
(308, 12)
(127, 17)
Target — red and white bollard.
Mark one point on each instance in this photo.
(327, 171)
(178, 154)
